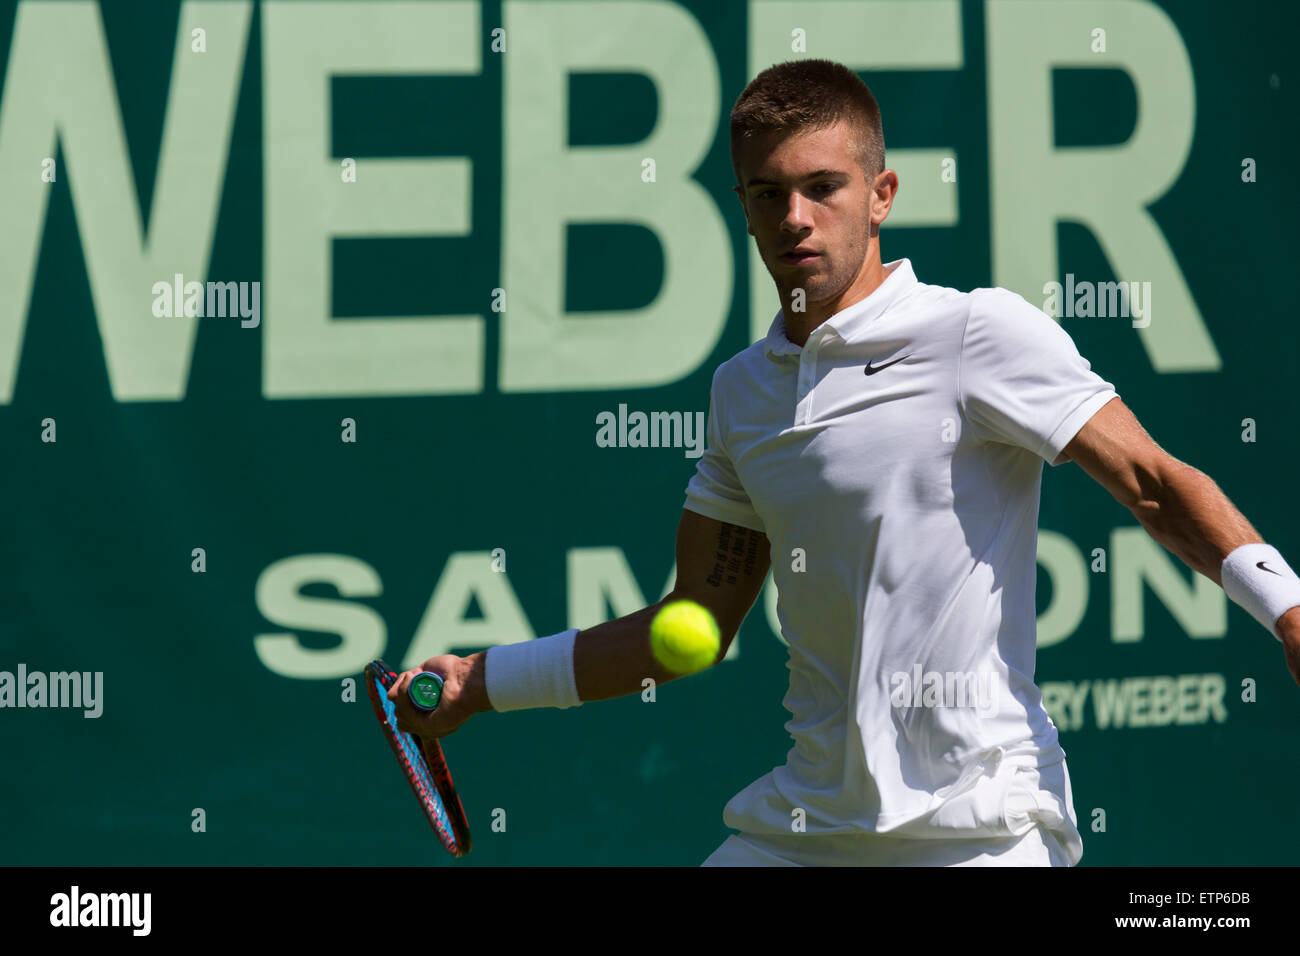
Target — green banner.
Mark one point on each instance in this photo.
(321, 320)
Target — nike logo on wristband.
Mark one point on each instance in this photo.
(1262, 567)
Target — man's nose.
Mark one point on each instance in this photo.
(798, 214)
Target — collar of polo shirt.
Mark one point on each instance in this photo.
(848, 323)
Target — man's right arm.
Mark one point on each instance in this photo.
(721, 566)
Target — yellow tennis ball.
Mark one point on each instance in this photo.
(684, 637)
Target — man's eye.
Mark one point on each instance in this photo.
(827, 187)
(766, 193)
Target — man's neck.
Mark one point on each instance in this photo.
(800, 325)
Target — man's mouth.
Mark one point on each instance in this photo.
(798, 258)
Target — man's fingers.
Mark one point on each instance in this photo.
(399, 686)
(409, 720)
(402, 703)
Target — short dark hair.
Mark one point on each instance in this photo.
(803, 95)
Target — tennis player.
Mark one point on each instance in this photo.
(882, 449)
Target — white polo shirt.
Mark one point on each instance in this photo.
(902, 511)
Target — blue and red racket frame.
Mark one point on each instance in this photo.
(424, 765)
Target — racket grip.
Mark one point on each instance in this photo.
(425, 690)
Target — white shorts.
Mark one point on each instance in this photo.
(1037, 847)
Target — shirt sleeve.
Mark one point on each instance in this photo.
(1022, 381)
(715, 490)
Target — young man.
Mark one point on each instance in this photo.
(883, 448)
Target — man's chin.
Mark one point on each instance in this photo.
(811, 283)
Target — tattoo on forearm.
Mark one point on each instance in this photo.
(735, 554)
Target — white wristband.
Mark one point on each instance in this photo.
(536, 673)
(1256, 577)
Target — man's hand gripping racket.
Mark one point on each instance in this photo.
(408, 709)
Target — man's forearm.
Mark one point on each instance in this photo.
(614, 659)
(609, 660)
(719, 566)
(1192, 517)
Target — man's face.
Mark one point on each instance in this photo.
(807, 190)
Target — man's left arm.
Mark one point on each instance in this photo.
(1186, 512)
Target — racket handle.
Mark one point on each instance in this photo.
(425, 690)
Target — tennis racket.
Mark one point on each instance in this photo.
(423, 763)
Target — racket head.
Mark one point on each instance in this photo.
(423, 764)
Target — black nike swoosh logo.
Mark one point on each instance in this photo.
(1260, 565)
(872, 370)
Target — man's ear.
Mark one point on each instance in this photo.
(741, 196)
(886, 183)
